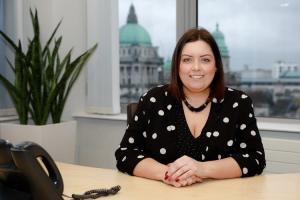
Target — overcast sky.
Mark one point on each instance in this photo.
(257, 33)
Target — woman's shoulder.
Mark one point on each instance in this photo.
(155, 93)
(232, 94)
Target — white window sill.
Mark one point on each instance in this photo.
(119, 117)
(8, 118)
(277, 124)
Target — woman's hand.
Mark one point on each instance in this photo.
(185, 170)
(185, 182)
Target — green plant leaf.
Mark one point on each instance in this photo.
(42, 80)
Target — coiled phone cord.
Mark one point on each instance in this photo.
(94, 194)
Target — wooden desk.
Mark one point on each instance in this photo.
(78, 179)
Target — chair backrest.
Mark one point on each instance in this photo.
(131, 108)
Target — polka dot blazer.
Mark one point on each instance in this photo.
(159, 130)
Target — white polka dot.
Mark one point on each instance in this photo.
(160, 85)
(252, 105)
(216, 133)
(219, 157)
(136, 118)
(140, 156)
(163, 151)
(250, 115)
(166, 93)
(149, 121)
(253, 133)
(257, 161)
(202, 156)
(259, 152)
(124, 158)
(225, 119)
(243, 126)
(161, 113)
(208, 134)
(131, 140)
(236, 104)
(230, 143)
(215, 100)
(245, 170)
(152, 99)
(154, 136)
(171, 128)
(243, 145)
(144, 113)
(127, 126)
(169, 107)
(229, 89)
(206, 148)
(142, 99)
(244, 96)
(246, 155)
(145, 134)
(123, 148)
(144, 94)
(221, 100)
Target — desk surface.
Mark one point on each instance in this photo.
(78, 179)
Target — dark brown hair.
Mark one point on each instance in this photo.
(217, 84)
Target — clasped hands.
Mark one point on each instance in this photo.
(183, 172)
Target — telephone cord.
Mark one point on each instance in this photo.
(96, 193)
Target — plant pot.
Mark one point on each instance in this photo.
(58, 139)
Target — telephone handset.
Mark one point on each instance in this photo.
(23, 177)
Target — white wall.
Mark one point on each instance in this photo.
(97, 141)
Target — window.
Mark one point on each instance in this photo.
(147, 31)
(8, 24)
(260, 50)
(5, 103)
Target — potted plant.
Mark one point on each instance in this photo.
(42, 83)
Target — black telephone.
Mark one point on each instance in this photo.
(22, 175)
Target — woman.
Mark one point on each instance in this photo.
(194, 128)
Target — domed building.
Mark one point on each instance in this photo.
(220, 39)
(140, 65)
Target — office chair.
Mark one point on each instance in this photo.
(131, 108)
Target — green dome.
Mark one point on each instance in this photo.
(132, 33)
(220, 39)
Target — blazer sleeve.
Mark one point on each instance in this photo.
(131, 149)
(249, 152)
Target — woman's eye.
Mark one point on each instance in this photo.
(186, 60)
(206, 60)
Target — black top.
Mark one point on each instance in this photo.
(159, 130)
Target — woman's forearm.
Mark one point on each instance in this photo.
(219, 169)
(151, 169)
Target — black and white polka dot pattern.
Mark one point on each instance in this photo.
(160, 129)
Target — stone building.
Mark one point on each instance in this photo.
(140, 65)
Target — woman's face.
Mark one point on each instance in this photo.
(197, 67)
